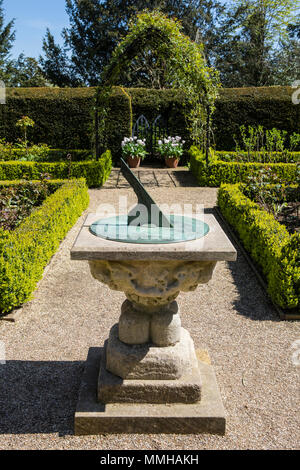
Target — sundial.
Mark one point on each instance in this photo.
(148, 378)
(146, 223)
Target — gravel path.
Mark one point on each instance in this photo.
(230, 317)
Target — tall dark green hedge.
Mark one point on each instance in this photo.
(168, 103)
(119, 122)
(268, 106)
(64, 117)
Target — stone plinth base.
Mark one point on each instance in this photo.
(114, 389)
(147, 361)
(92, 417)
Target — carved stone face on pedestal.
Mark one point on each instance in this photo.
(150, 285)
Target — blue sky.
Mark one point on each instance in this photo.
(32, 19)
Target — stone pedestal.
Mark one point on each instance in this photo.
(149, 375)
(149, 357)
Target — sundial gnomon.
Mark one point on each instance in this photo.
(146, 223)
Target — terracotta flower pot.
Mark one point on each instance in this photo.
(172, 162)
(134, 162)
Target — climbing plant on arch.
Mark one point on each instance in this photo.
(180, 60)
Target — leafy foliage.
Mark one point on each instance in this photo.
(266, 144)
(25, 72)
(17, 202)
(97, 27)
(95, 172)
(266, 106)
(182, 62)
(26, 250)
(255, 44)
(7, 37)
(268, 242)
(134, 147)
(170, 147)
(218, 172)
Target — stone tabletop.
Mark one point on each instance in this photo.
(215, 246)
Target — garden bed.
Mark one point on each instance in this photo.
(218, 172)
(17, 201)
(26, 250)
(95, 172)
(50, 155)
(274, 250)
(258, 157)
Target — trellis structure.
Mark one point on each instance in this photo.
(183, 63)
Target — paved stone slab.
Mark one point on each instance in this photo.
(147, 178)
(91, 417)
(113, 389)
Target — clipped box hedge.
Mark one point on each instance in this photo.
(95, 172)
(259, 157)
(219, 172)
(269, 243)
(54, 184)
(54, 155)
(25, 251)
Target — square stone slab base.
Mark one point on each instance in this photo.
(92, 417)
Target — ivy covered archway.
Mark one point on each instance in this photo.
(181, 61)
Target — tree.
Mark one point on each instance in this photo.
(25, 72)
(259, 31)
(200, 21)
(180, 60)
(55, 65)
(96, 27)
(7, 37)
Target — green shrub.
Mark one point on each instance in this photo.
(268, 242)
(219, 172)
(259, 157)
(26, 251)
(52, 155)
(95, 172)
(54, 184)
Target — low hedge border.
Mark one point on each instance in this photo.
(95, 172)
(54, 155)
(25, 251)
(268, 242)
(278, 157)
(54, 184)
(220, 172)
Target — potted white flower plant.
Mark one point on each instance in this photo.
(171, 149)
(134, 150)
